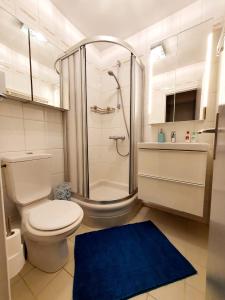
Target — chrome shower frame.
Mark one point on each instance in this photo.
(79, 47)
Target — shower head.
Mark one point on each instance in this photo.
(110, 73)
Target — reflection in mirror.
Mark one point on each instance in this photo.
(162, 78)
(14, 56)
(45, 79)
(179, 88)
(185, 106)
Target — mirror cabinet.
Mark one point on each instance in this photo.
(178, 67)
(27, 61)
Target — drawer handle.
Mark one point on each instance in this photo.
(170, 180)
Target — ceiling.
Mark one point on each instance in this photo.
(119, 18)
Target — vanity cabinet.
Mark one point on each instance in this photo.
(173, 179)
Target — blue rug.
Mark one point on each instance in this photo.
(121, 262)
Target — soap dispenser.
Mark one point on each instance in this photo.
(161, 136)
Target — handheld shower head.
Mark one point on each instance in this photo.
(110, 73)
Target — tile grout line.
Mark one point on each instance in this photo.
(28, 285)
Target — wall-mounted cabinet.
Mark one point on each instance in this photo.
(45, 80)
(14, 56)
(27, 58)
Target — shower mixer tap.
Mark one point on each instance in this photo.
(117, 137)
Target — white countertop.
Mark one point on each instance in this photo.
(174, 146)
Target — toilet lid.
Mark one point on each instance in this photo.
(56, 214)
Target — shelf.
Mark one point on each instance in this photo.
(175, 146)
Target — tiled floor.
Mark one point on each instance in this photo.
(188, 236)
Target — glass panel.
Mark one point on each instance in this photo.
(108, 106)
(191, 72)
(14, 56)
(46, 83)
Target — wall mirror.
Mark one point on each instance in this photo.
(27, 60)
(178, 67)
(14, 56)
(45, 80)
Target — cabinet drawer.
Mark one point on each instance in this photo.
(182, 197)
(189, 166)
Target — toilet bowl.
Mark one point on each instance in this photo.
(46, 224)
(46, 228)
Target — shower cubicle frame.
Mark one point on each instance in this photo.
(80, 47)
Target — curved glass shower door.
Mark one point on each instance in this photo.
(103, 84)
(108, 111)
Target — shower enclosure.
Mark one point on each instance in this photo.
(103, 125)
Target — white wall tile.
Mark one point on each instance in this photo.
(32, 112)
(57, 179)
(12, 134)
(94, 136)
(54, 135)
(35, 137)
(57, 160)
(52, 115)
(11, 109)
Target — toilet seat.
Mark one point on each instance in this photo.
(54, 215)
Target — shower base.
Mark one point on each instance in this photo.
(104, 210)
(108, 190)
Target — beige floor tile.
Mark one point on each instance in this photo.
(178, 243)
(82, 229)
(196, 254)
(69, 266)
(70, 248)
(60, 288)
(36, 280)
(193, 294)
(198, 281)
(174, 291)
(151, 297)
(26, 268)
(189, 237)
(20, 291)
(199, 233)
(15, 279)
(140, 297)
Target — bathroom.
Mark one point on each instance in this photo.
(112, 149)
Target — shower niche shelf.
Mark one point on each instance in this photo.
(103, 111)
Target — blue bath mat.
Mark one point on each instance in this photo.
(121, 262)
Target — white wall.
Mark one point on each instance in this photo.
(191, 15)
(105, 164)
(27, 127)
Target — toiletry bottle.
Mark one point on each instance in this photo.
(194, 136)
(187, 137)
(173, 137)
(161, 136)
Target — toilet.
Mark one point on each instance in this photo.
(46, 223)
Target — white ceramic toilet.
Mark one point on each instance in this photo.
(46, 224)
